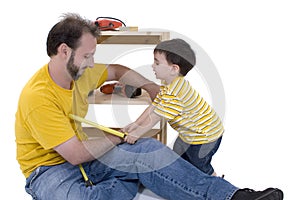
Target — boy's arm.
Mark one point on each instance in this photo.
(142, 125)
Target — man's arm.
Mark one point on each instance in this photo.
(128, 76)
(76, 151)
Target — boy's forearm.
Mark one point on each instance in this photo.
(145, 123)
(140, 131)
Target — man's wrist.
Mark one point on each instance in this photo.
(152, 89)
(115, 139)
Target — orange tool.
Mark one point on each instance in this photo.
(109, 23)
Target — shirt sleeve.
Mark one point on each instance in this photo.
(49, 126)
(102, 71)
(167, 106)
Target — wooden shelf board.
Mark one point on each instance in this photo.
(99, 98)
(94, 133)
(131, 37)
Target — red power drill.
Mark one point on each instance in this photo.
(109, 23)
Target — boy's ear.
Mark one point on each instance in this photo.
(176, 68)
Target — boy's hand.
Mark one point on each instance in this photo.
(130, 139)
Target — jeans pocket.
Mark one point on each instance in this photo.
(29, 183)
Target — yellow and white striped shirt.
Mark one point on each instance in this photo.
(188, 113)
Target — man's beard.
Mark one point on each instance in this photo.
(72, 68)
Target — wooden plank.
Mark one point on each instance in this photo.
(129, 37)
(99, 98)
(94, 133)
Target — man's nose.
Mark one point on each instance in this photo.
(90, 62)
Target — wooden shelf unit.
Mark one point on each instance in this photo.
(130, 38)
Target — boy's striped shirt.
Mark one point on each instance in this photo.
(188, 113)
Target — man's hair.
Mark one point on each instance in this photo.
(69, 31)
(178, 52)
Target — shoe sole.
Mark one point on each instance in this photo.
(275, 194)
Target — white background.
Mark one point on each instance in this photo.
(254, 45)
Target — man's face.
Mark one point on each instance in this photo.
(83, 57)
(72, 68)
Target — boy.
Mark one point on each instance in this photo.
(200, 128)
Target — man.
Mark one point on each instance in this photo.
(51, 146)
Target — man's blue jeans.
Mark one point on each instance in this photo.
(118, 173)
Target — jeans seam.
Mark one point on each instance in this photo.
(178, 184)
(230, 195)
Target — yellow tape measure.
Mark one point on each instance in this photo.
(94, 124)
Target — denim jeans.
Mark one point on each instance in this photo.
(199, 155)
(118, 173)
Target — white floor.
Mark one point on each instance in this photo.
(146, 194)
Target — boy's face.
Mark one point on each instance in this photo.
(162, 69)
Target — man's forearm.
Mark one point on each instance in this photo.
(135, 79)
(128, 76)
(152, 89)
(76, 151)
(97, 147)
(131, 77)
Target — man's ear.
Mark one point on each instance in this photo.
(64, 50)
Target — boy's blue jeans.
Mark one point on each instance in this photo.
(199, 155)
(118, 173)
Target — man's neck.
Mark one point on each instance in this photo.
(59, 75)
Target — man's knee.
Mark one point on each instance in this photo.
(150, 144)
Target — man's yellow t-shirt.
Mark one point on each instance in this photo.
(42, 121)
